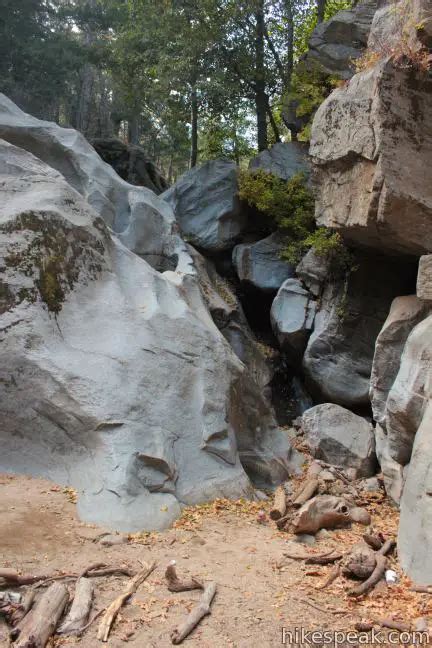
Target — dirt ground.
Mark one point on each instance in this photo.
(259, 591)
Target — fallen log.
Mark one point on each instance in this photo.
(80, 610)
(322, 512)
(281, 523)
(279, 504)
(310, 488)
(113, 609)
(174, 583)
(374, 578)
(41, 622)
(201, 610)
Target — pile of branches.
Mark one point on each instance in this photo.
(41, 606)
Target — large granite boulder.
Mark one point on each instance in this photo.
(284, 159)
(340, 437)
(371, 144)
(393, 472)
(207, 207)
(415, 528)
(407, 398)
(259, 265)
(405, 314)
(292, 317)
(131, 163)
(114, 378)
(143, 222)
(424, 279)
(338, 359)
(336, 43)
(314, 271)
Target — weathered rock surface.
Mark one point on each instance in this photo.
(340, 437)
(338, 359)
(131, 163)
(407, 398)
(371, 143)
(392, 471)
(206, 205)
(259, 264)
(337, 42)
(292, 316)
(283, 160)
(313, 270)
(415, 530)
(143, 222)
(424, 278)
(113, 377)
(405, 314)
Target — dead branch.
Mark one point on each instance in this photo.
(113, 609)
(387, 547)
(41, 622)
(279, 504)
(283, 520)
(310, 488)
(394, 625)
(374, 578)
(201, 610)
(421, 589)
(374, 541)
(333, 575)
(175, 584)
(17, 618)
(80, 610)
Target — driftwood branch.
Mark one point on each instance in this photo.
(310, 488)
(387, 547)
(279, 504)
(174, 583)
(113, 609)
(17, 618)
(201, 610)
(374, 578)
(41, 622)
(80, 610)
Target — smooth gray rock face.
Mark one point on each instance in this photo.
(424, 278)
(255, 412)
(206, 205)
(283, 160)
(340, 437)
(371, 145)
(313, 270)
(143, 222)
(415, 528)
(337, 42)
(113, 377)
(338, 359)
(405, 314)
(392, 471)
(408, 397)
(259, 264)
(292, 317)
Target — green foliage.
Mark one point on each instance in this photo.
(289, 208)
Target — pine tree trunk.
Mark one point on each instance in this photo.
(194, 127)
(260, 85)
(134, 129)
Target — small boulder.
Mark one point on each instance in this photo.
(292, 316)
(340, 437)
(283, 160)
(392, 471)
(207, 207)
(313, 270)
(259, 264)
(405, 314)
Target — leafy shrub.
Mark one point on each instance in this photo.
(289, 208)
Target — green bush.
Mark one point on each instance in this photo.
(289, 208)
